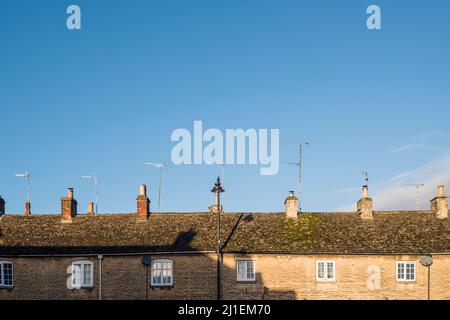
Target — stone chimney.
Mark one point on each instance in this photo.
(2, 206)
(68, 207)
(216, 207)
(91, 208)
(439, 204)
(27, 208)
(291, 206)
(143, 203)
(364, 205)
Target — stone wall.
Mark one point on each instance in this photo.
(194, 277)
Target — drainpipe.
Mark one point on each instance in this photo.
(100, 260)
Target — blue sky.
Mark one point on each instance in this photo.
(106, 99)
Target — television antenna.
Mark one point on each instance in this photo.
(26, 175)
(365, 175)
(160, 166)
(94, 179)
(417, 185)
(299, 166)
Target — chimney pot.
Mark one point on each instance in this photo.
(365, 192)
(27, 208)
(439, 204)
(143, 190)
(91, 208)
(70, 193)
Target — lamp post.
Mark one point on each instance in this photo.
(218, 190)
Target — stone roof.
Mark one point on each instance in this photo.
(400, 232)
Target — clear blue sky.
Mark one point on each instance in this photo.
(107, 98)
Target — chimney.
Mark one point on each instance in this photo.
(364, 205)
(291, 206)
(91, 208)
(27, 208)
(2, 206)
(439, 204)
(143, 203)
(68, 207)
(216, 207)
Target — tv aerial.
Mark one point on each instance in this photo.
(417, 185)
(365, 175)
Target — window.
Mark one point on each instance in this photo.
(82, 274)
(6, 274)
(162, 271)
(406, 271)
(245, 270)
(325, 271)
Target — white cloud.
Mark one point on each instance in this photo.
(417, 146)
(397, 194)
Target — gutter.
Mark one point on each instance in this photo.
(107, 254)
(226, 252)
(334, 253)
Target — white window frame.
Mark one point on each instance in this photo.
(161, 275)
(245, 278)
(2, 273)
(401, 277)
(325, 277)
(83, 284)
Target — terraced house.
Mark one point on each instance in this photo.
(287, 255)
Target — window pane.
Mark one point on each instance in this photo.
(410, 271)
(250, 270)
(241, 269)
(161, 272)
(76, 274)
(87, 274)
(330, 273)
(7, 274)
(401, 271)
(321, 270)
(1, 273)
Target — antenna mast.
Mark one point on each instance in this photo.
(26, 175)
(160, 166)
(299, 166)
(94, 179)
(417, 185)
(365, 175)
